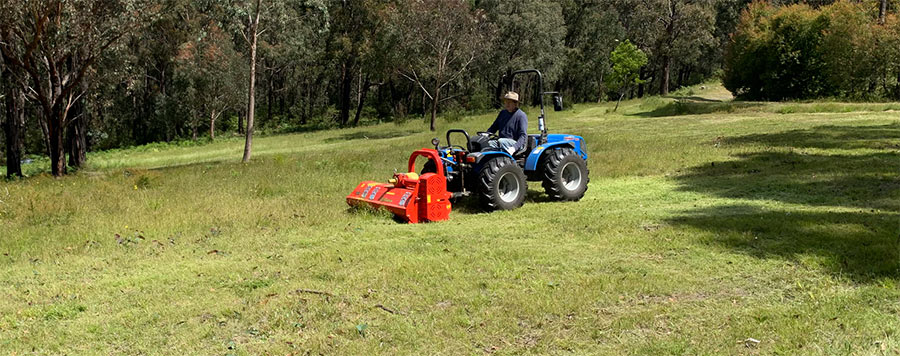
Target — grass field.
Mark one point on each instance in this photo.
(708, 224)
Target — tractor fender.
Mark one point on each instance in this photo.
(534, 157)
(481, 157)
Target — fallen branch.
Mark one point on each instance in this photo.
(389, 310)
(312, 291)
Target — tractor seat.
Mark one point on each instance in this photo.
(521, 151)
(518, 155)
(521, 155)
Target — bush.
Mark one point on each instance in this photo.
(797, 52)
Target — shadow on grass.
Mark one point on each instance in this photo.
(706, 106)
(472, 205)
(367, 135)
(863, 243)
(692, 98)
(881, 137)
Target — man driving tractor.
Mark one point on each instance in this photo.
(511, 125)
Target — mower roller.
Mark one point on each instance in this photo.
(499, 179)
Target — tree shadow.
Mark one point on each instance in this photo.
(684, 107)
(692, 98)
(368, 135)
(861, 181)
(857, 235)
(881, 137)
(861, 245)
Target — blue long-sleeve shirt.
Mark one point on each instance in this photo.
(512, 125)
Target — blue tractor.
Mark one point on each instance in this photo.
(499, 179)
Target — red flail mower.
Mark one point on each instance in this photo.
(412, 197)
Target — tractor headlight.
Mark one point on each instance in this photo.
(435, 142)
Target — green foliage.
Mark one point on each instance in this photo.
(528, 35)
(798, 52)
(179, 71)
(626, 60)
(592, 30)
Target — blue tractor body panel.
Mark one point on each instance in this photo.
(554, 140)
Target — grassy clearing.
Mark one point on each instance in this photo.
(698, 232)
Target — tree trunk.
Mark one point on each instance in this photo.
(270, 93)
(667, 66)
(212, 124)
(602, 90)
(306, 105)
(76, 136)
(434, 105)
(897, 95)
(346, 87)
(496, 102)
(14, 128)
(240, 122)
(57, 149)
(251, 102)
(46, 133)
(363, 90)
(640, 91)
(621, 95)
(882, 11)
(281, 93)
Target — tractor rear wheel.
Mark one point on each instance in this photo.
(429, 167)
(501, 184)
(565, 174)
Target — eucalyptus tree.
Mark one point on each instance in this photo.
(13, 121)
(439, 39)
(254, 18)
(529, 34)
(54, 44)
(683, 28)
(592, 32)
(354, 29)
(209, 64)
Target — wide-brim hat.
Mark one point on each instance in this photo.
(511, 95)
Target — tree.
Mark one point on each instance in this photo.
(353, 30)
(592, 28)
(528, 35)
(683, 28)
(280, 15)
(51, 45)
(440, 40)
(208, 66)
(627, 61)
(252, 37)
(802, 52)
(13, 124)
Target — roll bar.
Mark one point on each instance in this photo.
(510, 79)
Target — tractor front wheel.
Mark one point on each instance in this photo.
(565, 174)
(502, 184)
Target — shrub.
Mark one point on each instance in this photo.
(797, 52)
